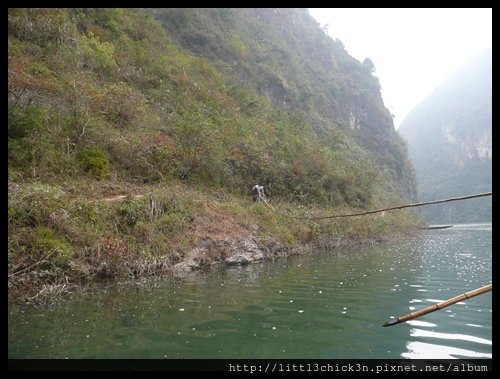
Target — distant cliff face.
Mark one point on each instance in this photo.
(464, 148)
(450, 142)
(285, 56)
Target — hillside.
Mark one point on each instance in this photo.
(286, 57)
(130, 152)
(450, 143)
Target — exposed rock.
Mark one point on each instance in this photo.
(255, 229)
(206, 243)
(176, 257)
(354, 121)
(185, 267)
(272, 248)
(241, 250)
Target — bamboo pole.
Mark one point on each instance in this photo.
(378, 210)
(441, 305)
(404, 206)
(265, 201)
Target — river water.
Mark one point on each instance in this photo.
(329, 305)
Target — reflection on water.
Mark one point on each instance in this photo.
(421, 350)
(447, 336)
(326, 305)
(469, 247)
(420, 323)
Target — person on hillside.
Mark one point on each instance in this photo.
(257, 192)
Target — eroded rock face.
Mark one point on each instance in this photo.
(241, 250)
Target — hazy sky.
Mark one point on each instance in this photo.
(414, 50)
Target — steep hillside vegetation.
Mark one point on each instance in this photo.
(126, 147)
(285, 56)
(450, 142)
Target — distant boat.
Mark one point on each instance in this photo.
(438, 227)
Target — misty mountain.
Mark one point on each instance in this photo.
(450, 143)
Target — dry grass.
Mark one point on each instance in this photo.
(217, 224)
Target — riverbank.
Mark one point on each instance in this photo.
(331, 303)
(63, 235)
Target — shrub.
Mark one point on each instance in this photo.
(95, 162)
(128, 213)
(98, 55)
(47, 240)
(23, 121)
(121, 105)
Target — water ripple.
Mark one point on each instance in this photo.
(421, 350)
(420, 323)
(448, 336)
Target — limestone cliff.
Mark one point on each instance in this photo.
(450, 142)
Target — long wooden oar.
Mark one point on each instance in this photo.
(437, 307)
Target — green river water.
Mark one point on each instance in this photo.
(329, 305)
